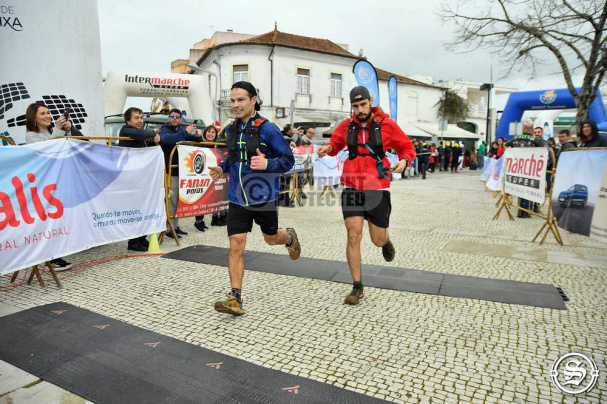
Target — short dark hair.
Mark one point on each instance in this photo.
(287, 127)
(565, 132)
(177, 110)
(129, 112)
(30, 117)
(538, 127)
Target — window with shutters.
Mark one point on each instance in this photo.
(241, 73)
(335, 85)
(303, 81)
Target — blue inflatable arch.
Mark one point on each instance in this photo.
(543, 100)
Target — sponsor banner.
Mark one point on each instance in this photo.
(487, 169)
(393, 97)
(525, 172)
(365, 75)
(63, 196)
(328, 170)
(71, 76)
(304, 158)
(494, 182)
(579, 198)
(198, 194)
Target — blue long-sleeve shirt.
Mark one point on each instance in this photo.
(252, 187)
(169, 137)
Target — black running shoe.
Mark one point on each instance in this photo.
(388, 251)
(59, 264)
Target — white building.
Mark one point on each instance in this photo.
(309, 77)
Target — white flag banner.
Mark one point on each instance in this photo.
(328, 170)
(525, 172)
(494, 182)
(63, 196)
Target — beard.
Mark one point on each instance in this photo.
(363, 117)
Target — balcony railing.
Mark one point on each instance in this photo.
(224, 101)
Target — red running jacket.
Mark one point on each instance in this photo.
(361, 172)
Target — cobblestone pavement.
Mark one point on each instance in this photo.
(404, 347)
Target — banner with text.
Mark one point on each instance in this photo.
(579, 198)
(525, 172)
(63, 196)
(304, 158)
(198, 194)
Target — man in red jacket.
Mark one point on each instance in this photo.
(366, 177)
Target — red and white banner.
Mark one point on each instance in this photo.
(525, 172)
(304, 158)
(63, 196)
(198, 194)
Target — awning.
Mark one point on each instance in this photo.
(452, 132)
(412, 131)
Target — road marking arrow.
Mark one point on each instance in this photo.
(294, 389)
(215, 365)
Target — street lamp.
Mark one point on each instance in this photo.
(488, 87)
(194, 66)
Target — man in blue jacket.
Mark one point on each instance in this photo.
(257, 156)
(172, 133)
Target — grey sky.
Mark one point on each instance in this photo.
(401, 36)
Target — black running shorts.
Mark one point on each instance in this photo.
(240, 218)
(375, 206)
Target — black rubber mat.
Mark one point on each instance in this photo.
(107, 361)
(408, 280)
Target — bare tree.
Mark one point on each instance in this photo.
(526, 33)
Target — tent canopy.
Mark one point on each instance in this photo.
(452, 132)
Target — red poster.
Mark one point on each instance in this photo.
(198, 194)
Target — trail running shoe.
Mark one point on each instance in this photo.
(354, 297)
(231, 305)
(295, 249)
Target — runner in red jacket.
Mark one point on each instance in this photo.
(366, 177)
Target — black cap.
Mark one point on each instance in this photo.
(250, 88)
(359, 93)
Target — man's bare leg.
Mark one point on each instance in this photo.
(381, 238)
(233, 304)
(238, 243)
(354, 226)
(379, 235)
(286, 237)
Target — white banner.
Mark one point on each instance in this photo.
(65, 72)
(304, 158)
(327, 170)
(63, 196)
(487, 170)
(525, 172)
(494, 182)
